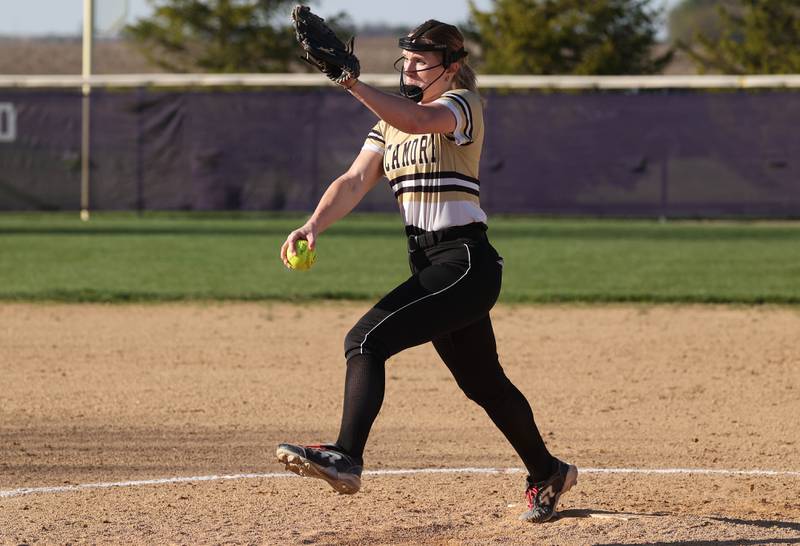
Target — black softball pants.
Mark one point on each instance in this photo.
(454, 284)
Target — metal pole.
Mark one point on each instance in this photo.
(664, 188)
(139, 143)
(88, 31)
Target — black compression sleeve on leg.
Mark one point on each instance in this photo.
(512, 414)
(471, 356)
(363, 396)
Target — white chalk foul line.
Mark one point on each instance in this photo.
(392, 472)
(135, 483)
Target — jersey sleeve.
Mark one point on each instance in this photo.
(375, 141)
(466, 107)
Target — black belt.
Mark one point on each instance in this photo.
(419, 239)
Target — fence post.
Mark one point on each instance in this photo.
(664, 187)
(139, 176)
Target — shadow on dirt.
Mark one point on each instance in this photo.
(765, 524)
(587, 513)
(768, 524)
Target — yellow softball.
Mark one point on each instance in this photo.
(303, 258)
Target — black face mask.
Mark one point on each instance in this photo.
(414, 92)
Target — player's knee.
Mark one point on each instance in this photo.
(352, 343)
(358, 341)
(488, 394)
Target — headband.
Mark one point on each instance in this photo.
(412, 43)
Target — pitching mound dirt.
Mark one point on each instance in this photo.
(119, 394)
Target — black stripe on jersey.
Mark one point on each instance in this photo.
(376, 136)
(465, 105)
(462, 102)
(453, 139)
(435, 189)
(434, 176)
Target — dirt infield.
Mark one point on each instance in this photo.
(94, 393)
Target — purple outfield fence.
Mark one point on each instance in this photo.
(651, 154)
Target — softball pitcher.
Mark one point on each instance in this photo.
(429, 148)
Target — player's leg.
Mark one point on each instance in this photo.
(364, 387)
(454, 284)
(387, 328)
(458, 285)
(471, 355)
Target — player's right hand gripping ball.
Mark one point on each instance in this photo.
(303, 259)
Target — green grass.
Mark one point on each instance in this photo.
(119, 257)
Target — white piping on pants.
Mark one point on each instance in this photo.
(469, 266)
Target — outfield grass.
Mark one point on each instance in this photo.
(121, 257)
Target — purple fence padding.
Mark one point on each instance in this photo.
(683, 154)
(673, 154)
(40, 169)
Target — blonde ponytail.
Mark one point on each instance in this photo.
(465, 77)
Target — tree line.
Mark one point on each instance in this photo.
(583, 37)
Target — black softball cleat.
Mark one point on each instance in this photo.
(543, 496)
(324, 461)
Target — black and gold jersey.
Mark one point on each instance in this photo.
(435, 176)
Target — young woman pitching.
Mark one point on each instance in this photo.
(429, 148)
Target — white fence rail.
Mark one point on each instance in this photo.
(391, 80)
